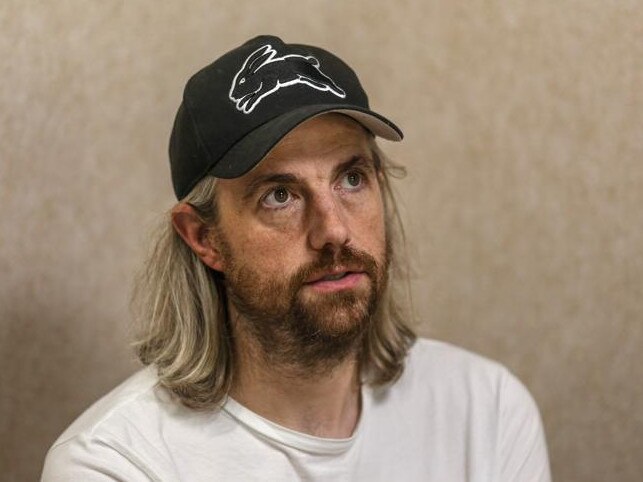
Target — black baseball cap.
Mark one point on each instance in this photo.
(237, 108)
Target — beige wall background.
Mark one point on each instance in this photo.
(524, 124)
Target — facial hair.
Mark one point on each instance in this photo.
(310, 332)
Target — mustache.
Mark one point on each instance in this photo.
(348, 257)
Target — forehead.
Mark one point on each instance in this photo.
(328, 136)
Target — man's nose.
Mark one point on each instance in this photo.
(328, 224)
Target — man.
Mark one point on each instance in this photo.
(274, 330)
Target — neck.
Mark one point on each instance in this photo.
(323, 400)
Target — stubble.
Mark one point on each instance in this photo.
(299, 331)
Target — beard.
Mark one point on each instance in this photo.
(299, 328)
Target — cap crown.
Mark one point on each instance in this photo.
(244, 89)
(241, 105)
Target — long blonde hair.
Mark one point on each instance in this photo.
(181, 307)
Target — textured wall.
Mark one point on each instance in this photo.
(524, 125)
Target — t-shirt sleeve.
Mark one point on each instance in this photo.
(92, 460)
(522, 450)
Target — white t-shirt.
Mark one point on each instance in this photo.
(452, 416)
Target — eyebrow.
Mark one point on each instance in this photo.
(355, 161)
(289, 178)
(276, 178)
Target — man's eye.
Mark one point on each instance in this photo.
(352, 180)
(277, 197)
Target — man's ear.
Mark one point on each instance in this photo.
(197, 235)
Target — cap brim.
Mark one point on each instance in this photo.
(247, 153)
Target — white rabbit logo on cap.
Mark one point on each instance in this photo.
(263, 74)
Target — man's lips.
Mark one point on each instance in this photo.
(335, 280)
(331, 275)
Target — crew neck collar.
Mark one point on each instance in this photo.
(281, 435)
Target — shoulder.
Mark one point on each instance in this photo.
(110, 435)
(481, 397)
(127, 398)
(439, 366)
(438, 362)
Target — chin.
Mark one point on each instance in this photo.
(339, 315)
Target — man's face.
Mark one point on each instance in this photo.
(303, 244)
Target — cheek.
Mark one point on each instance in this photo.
(269, 251)
(379, 239)
(369, 226)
